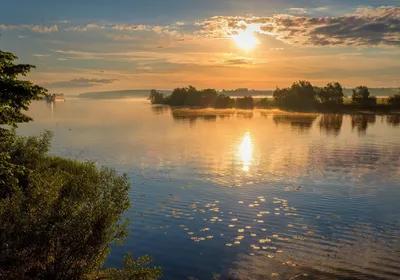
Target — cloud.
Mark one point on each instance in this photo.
(238, 61)
(40, 55)
(34, 28)
(80, 82)
(365, 27)
(299, 11)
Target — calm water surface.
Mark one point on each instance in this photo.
(260, 195)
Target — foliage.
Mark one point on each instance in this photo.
(394, 100)
(133, 270)
(331, 94)
(245, 102)
(58, 217)
(301, 95)
(224, 101)
(156, 97)
(15, 94)
(361, 97)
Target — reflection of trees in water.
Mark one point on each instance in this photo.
(361, 122)
(159, 109)
(393, 120)
(300, 123)
(245, 114)
(331, 124)
(193, 116)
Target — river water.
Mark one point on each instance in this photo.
(261, 195)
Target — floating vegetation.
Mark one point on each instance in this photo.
(205, 229)
(231, 226)
(240, 230)
(240, 237)
(253, 234)
(248, 227)
(275, 236)
(190, 233)
(264, 229)
(260, 221)
(251, 205)
(237, 242)
(228, 244)
(210, 237)
(255, 247)
(240, 202)
(234, 220)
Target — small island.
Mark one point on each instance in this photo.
(302, 96)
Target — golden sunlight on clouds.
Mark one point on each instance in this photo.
(245, 39)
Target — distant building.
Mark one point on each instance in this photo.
(56, 98)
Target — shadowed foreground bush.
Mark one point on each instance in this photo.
(59, 216)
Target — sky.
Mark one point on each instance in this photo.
(98, 45)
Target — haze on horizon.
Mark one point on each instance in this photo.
(82, 46)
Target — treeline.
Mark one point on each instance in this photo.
(191, 97)
(301, 96)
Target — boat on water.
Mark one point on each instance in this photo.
(56, 98)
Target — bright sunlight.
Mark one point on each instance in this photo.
(245, 39)
(246, 152)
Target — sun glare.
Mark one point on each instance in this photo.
(246, 152)
(245, 39)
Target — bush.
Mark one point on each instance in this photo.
(59, 217)
(301, 95)
(361, 98)
(394, 100)
(245, 102)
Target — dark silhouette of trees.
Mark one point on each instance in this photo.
(362, 98)
(245, 102)
(224, 101)
(331, 94)
(394, 100)
(301, 96)
(156, 97)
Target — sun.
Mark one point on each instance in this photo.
(246, 40)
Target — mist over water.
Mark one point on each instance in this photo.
(246, 194)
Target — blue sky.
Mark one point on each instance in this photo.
(82, 46)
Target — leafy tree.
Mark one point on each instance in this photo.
(331, 94)
(394, 100)
(362, 97)
(156, 97)
(58, 217)
(245, 102)
(15, 94)
(224, 101)
(301, 95)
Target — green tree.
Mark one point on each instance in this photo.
(331, 94)
(58, 217)
(156, 97)
(301, 96)
(16, 94)
(362, 97)
(394, 100)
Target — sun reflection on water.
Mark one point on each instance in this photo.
(246, 152)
